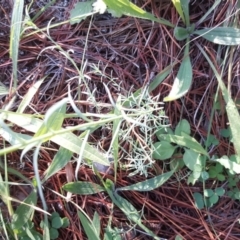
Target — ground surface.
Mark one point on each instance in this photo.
(130, 52)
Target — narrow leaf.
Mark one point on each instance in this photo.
(149, 184)
(16, 24)
(88, 227)
(183, 81)
(221, 35)
(30, 94)
(177, 5)
(67, 139)
(232, 111)
(60, 160)
(198, 200)
(125, 7)
(128, 209)
(185, 8)
(96, 223)
(83, 188)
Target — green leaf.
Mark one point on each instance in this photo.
(125, 7)
(185, 8)
(53, 233)
(115, 136)
(157, 80)
(185, 141)
(163, 150)
(127, 208)
(183, 81)
(24, 212)
(60, 160)
(227, 163)
(56, 222)
(54, 118)
(226, 132)
(67, 139)
(183, 126)
(3, 90)
(96, 223)
(221, 35)
(30, 94)
(221, 177)
(66, 222)
(178, 5)
(83, 188)
(205, 175)
(81, 11)
(192, 160)
(212, 8)
(149, 184)
(180, 33)
(220, 191)
(198, 200)
(178, 237)
(213, 199)
(208, 192)
(16, 24)
(88, 226)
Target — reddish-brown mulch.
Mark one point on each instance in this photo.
(132, 51)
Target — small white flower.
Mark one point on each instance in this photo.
(99, 6)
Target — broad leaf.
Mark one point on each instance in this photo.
(185, 141)
(183, 127)
(192, 160)
(227, 163)
(221, 35)
(163, 150)
(24, 211)
(81, 11)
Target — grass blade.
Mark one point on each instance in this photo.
(178, 7)
(65, 139)
(16, 24)
(232, 111)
